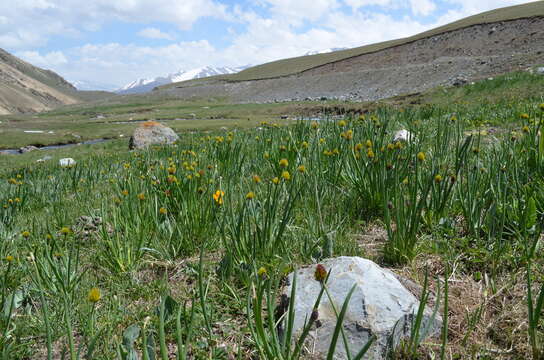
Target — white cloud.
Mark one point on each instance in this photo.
(297, 11)
(471, 7)
(69, 17)
(360, 3)
(154, 33)
(51, 59)
(422, 7)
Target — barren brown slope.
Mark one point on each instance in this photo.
(470, 53)
(291, 66)
(25, 88)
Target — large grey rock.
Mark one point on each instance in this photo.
(152, 133)
(540, 70)
(380, 306)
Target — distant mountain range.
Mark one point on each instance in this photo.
(89, 85)
(145, 85)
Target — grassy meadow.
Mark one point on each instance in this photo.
(171, 252)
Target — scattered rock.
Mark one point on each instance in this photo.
(540, 70)
(67, 162)
(44, 159)
(380, 306)
(403, 135)
(28, 148)
(152, 133)
(459, 81)
(86, 226)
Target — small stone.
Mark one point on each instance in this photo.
(26, 149)
(403, 135)
(67, 162)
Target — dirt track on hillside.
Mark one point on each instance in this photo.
(471, 53)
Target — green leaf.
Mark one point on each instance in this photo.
(170, 306)
(339, 321)
(529, 217)
(129, 338)
(17, 297)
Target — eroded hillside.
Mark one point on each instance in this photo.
(25, 88)
(466, 54)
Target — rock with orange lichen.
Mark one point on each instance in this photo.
(152, 133)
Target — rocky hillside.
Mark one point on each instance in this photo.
(25, 88)
(455, 55)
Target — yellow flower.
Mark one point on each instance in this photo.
(348, 135)
(94, 295)
(368, 143)
(301, 168)
(163, 211)
(284, 163)
(437, 178)
(17, 200)
(358, 147)
(390, 146)
(304, 144)
(321, 141)
(524, 116)
(256, 179)
(286, 175)
(126, 165)
(405, 181)
(276, 180)
(10, 201)
(141, 196)
(314, 125)
(124, 192)
(370, 154)
(266, 155)
(541, 106)
(65, 230)
(250, 195)
(421, 156)
(25, 234)
(525, 129)
(171, 169)
(342, 123)
(218, 197)
(9, 258)
(262, 271)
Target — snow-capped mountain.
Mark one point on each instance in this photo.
(92, 85)
(315, 52)
(145, 85)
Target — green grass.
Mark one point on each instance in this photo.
(460, 205)
(296, 65)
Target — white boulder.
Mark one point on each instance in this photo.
(67, 162)
(380, 306)
(403, 135)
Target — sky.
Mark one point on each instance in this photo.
(109, 43)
